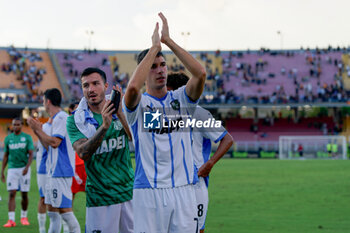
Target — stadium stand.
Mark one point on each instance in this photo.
(7, 78)
(235, 78)
(27, 70)
(346, 71)
(122, 65)
(73, 63)
(297, 76)
(246, 130)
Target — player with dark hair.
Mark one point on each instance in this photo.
(18, 154)
(164, 199)
(201, 147)
(100, 138)
(61, 162)
(176, 80)
(72, 107)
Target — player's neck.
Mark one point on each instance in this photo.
(159, 93)
(97, 108)
(54, 110)
(17, 133)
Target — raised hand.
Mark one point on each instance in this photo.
(118, 88)
(155, 37)
(34, 123)
(106, 113)
(165, 29)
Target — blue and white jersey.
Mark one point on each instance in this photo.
(202, 139)
(163, 155)
(61, 159)
(41, 153)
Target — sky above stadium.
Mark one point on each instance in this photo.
(194, 24)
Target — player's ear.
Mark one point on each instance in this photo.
(106, 85)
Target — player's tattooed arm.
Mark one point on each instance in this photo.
(85, 148)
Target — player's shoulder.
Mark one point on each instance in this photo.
(60, 117)
(178, 92)
(202, 113)
(23, 134)
(9, 136)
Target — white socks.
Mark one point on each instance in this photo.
(65, 226)
(42, 222)
(12, 215)
(23, 213)
(55, 222)
(72, 222)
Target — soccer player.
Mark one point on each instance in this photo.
(61, 162)
(100, 138)
(41, 165)
(164, 199)
(18, 154)
(201, 148)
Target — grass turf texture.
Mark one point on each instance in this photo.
(251, 196)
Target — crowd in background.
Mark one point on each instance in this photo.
(23, 65)
(249, 75)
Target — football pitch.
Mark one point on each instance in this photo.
(251, 196)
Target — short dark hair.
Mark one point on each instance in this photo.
(91, 70)
(176, 80)
(54, 95)
(142, 55)
(73, 104)
(17, 119)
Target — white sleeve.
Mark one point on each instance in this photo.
(214, 134)
(59, 129)
(183, 98)
(131, 115)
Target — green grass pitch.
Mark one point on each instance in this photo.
(252, 196)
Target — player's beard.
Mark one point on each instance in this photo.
(17, 131)
(96, 102)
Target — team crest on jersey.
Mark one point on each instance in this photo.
(175, 104)
(23, 139)
(118, 125)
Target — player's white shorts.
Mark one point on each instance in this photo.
(58, 192)
(202, 198)
(16, 181)
(41, 180)
(116, 218)
(165, 210)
